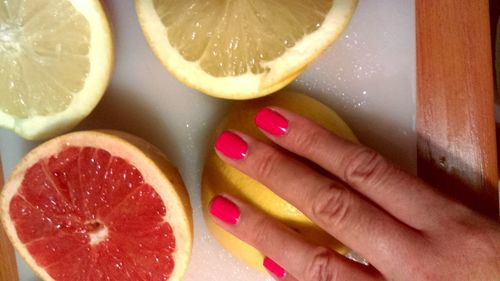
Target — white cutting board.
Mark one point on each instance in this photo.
(367, 76)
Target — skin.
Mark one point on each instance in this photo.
(405, 228)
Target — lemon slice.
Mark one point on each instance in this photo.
(55, 63)
(241, 49)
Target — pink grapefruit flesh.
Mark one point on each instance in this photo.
(84, 214)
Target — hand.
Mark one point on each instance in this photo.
(405, 229)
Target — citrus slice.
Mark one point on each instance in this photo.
(55, 63)
(98, 205)
(221, 178)
(239, 49)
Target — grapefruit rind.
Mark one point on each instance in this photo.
(221, 178)
(154, 167)
(283, 69)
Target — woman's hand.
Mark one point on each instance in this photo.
(403, 227)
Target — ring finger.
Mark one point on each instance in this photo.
(289, 256)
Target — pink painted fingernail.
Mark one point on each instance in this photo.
(231, 145)
(271, 122)
(274, 268)
(225, 210)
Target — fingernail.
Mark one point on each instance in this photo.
(231, 145)
(271, 122)
(274, 268)
(225, 210)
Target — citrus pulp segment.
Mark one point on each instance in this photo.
(98, 205)
(55, 63)
(241, 49)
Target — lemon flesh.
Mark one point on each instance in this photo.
(241, 49)
(221, 178)
(55, 62)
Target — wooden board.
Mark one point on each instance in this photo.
(455, 111)
(8, 267)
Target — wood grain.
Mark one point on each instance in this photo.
(455, 112)
(8, 267)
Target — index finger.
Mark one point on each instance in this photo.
(401, 194)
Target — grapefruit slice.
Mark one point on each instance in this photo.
(98, 205)
(221, 178)
(238, 49)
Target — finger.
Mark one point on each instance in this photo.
(401, 194)
(338, 210)
(291, 256)
(276, 270)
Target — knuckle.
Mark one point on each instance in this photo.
(478, 237)
(321, 267)
(455, 216)
(266, 165)
(260, 231)
(332, 206)
(366, 167)
(306, 142)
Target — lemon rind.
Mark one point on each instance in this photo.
(101, 56)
